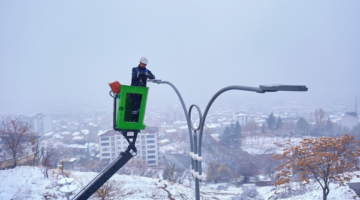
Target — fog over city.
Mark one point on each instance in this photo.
(65, 131)
(61, 55)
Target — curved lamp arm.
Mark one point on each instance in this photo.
(260, 89)
(158, 81)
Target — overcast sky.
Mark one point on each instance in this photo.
(63, 54)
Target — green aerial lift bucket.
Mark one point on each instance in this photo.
(123, 108)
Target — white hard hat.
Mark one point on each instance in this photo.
(144, 60)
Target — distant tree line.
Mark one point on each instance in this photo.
(232, 134)
(321, 126)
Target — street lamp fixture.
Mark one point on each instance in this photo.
(275, 88)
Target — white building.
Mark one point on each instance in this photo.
(349, 120)
(111, 143)
(241, 117)
(39, 123)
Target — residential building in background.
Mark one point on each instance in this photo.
(241, 117)
(111, 143)
(349, 120)
(39, 123)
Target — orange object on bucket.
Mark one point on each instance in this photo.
(115, 87)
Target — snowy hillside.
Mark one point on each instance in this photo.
(29, 183)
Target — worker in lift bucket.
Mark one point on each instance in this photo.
(139, 78)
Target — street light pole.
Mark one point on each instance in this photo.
(194, 156)
(196, 161)
(185, 112)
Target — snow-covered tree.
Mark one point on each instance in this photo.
(302, 126)
(271, 122)
(225, 136)
(232, 134)
(237, 131)
(279, 124)
(249, 193)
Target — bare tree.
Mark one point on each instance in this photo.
(252, 128)
(138, 167)
(189, 177)
(35, 142)
(16, 137)
(169, 171)
(179, 176)
(211, 172)
(319, 116)
(224, 173)
(248, 169)
(106, 191)
(269, 166)
(112, 190)
(47, 153)
(60, 153)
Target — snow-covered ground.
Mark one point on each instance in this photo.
(265, 145)
(175, 147)
(252, 145)
(29, 183)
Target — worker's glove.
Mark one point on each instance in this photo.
(148, 75)
(142, 74)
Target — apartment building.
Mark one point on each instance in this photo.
(111, 143)
(39, 123)
(241, 117)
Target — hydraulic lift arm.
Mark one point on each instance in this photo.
(104, 176)
(113, 167)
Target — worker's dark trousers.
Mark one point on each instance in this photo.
(136, 101)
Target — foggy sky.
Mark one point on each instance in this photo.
(62, 54)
